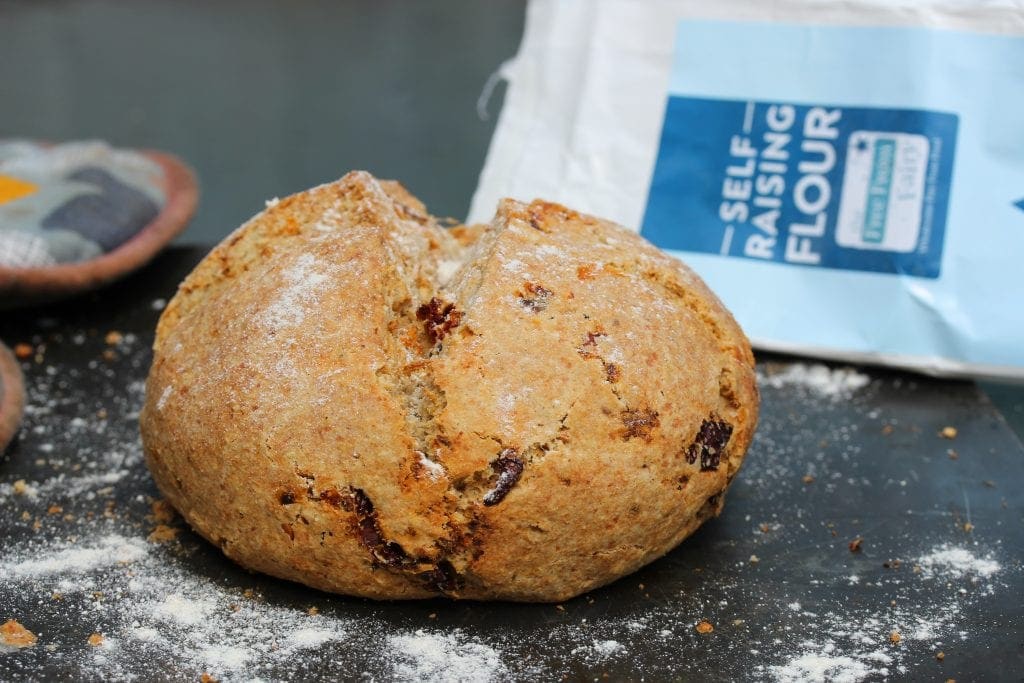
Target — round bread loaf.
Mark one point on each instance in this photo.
(347, 395)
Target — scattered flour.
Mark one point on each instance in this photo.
(110, 550)
(329, 221)
(311, 637)
(429, 656)
(178, 610)
(433, 469)
(514, 265)
(832, 383)
(302, 282)
(446, 269)
(814, 667)
(955, 562)
(605, 649)
(204, 626)
(64, 486)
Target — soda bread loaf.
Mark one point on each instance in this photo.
(348, 395)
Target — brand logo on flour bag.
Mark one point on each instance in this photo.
(835, 187)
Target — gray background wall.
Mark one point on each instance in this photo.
(264, 98)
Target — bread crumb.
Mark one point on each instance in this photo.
(940, 656)
(19, 487)
(23, 351)
(855, 544)
(895, 637)
(207, 678)
(808, 479)
(96, 639)
(54, 510)
(162, 533)
(13, 634)
(754, 559)
(948, 432)
(313, 611)
(704, 627)
(163, 512)
(113, 338)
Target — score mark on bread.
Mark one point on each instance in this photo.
(346, 394)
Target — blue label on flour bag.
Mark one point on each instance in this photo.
(852, 188)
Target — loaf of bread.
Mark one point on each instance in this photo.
(348, 395)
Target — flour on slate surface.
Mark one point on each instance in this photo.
(954, 562)
(427, 656)
(820, 379)
(75, 558)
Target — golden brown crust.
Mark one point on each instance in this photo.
(12, 396)
(345, 394)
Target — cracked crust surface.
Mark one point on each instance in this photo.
(347, 395)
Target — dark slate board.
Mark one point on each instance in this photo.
(881, 473)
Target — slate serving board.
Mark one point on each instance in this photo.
(774, 576)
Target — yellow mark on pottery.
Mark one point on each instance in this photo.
(14, 188)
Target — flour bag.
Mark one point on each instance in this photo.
(848, 177)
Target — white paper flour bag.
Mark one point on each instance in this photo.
(848, 177)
